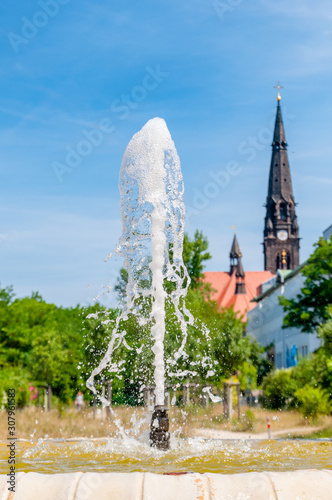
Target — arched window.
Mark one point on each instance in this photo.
(278, 261)
(283, 211)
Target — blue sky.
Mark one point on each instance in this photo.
(102, 69)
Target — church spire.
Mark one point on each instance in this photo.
(279, 131)
(281, 232)
(237, 267)
(234, 254)
(280, 183)
(235, 250)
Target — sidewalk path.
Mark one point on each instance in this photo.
(222, 434)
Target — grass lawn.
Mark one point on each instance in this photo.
(323, 434)
(33, 423)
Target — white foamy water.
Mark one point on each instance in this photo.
(152, 214)
(214, 399)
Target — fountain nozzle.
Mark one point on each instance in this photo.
(159, 432)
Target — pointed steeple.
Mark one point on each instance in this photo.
(234, 255)
(237, 267)
(279, 131)
(235, 250)
(280, 182)
(281, 230)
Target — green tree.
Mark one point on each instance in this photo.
(121, 283)
(216, 346)
(313, 375)
(279, 388)
(194, 256)
(309, 309)
(312, 401)
(325, 333)
(41, 344)
(6, 295)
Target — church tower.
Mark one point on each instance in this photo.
(281, 230)
(236, 267)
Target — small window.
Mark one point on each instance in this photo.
(278, 261)
(275, 180)
(304, 351)
(276, 164)
(283, 211)
(284, 164)
(285, 180)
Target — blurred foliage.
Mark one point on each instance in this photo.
(42, 344)
(325, 332)
(308, 386)
(246, 422)
(312, 401)
(279, 388)
(310, 308)
(194, 256)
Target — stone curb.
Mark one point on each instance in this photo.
(293, 485)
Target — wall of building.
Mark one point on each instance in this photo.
(266, 319)
(328, 233)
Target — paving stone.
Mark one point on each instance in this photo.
(4, 492)
(249, 486)
(171, 487)
(302, 484)
(110, 486)
(35, 486)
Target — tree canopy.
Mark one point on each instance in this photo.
(310, 308)
(42, 344)
(195, 255)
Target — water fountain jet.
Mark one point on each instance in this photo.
(152, 214)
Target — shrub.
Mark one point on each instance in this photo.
(279, 388)
(247, 422)
(12, 379)
(312, 401)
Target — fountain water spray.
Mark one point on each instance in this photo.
(152, 214)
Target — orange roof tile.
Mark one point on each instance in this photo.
(224, 286)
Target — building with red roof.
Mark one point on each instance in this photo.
(281, 235)
(236, 288)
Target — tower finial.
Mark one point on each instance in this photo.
(278, 87)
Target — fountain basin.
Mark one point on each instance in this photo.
(185, 455)
(300, 485)
(193, 468)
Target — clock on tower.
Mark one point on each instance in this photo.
(282, 235)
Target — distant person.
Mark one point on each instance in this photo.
(79, 401)
(33, 392)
